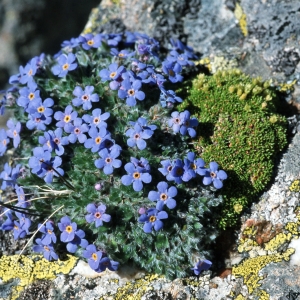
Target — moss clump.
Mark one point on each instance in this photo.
(240, 129)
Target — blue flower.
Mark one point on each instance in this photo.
(181, 59)
(3, 141)
(181, 122)
(65, 64)
(168, 97)
(97, 214)
(67, 228)
(141, 163)
(13, 132)
(178, 170)
(65, 118)
(21, 197)
(78, 240)
(29, 71)
(89, 41)
(28, 94)
(197, 165)
(49, 235)
(73, 43)
(37, 161)
(41, 108)
(38, 122)
(98, 260)
(152, 219)
(136, 176)
(54, 141)
(85, 97)
(97, 119)
(191, 166)
(48, 250)
(131, 91)
(172, 70)
(214, 176)
(137, 135)
(98, 139)
(9, 222)
(113, 73)
(43, 165)
(21, 228)
(108, 159)
(166, 170)
(77, 131)
(201, 265)
(9, 175)
(164, 196)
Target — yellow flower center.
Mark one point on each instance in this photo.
(46, 248)
(67, 118)
(31, 96)
(96, 120)
(41, 109)
(29, 72)
(136, 175)
(193, 166)
(130, 92)
(65, 66)
(94, 256)
(69, 229)
(112, 74)
(163, 196)
(49, 231)
(152, 219)
(98, 140)
(90, 42)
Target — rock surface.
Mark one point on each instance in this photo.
(261, 37)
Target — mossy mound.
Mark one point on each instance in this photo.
(241, 129)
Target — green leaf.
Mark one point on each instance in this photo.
(161, 241)
(82, 58)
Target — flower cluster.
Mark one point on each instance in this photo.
(84, 113)
(183, 171)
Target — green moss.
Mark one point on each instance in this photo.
(240, 129)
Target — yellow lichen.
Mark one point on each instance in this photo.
(240, 297)
(241, 17)
(250, 268)
(279, 239)
(134, 290)
(295, 186)
(284, 87)
(30, 268)
(263, 295)
(292, 227)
